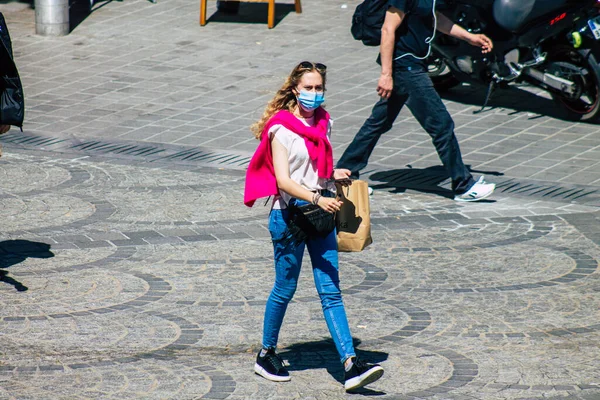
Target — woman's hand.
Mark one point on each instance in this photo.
(342, 176)
(4, 129)
(341, 173)
(329, 204)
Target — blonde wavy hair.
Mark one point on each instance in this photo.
(285, 98)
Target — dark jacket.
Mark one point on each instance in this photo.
(12, 103)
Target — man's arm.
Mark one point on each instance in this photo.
(393, 19)
(448, 27)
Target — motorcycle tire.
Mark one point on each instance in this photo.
(441, 76)
(587, 106)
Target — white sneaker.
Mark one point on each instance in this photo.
(479, 191)
(370, 190)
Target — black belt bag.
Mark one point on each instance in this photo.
(309, 221)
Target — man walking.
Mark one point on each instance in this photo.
(407, 31)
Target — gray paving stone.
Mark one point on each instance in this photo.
(95, 244)
(182, 232)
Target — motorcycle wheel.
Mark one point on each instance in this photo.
(440, 74)
(586, 105)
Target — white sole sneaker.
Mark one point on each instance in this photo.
(364, 379)
(479, 191)
(265, 374)
(474, 197)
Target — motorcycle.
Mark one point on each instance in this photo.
(551, 44)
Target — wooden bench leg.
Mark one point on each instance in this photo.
(271, 17)
(298, 7)
(203, 12)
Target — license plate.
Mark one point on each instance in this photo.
(594, 25)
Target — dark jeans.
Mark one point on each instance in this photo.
(414, 88)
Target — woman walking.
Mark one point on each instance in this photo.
(294, 163)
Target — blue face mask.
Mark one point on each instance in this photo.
(310, 100)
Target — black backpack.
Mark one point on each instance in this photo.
(367, 21)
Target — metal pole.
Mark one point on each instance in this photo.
(52, 17)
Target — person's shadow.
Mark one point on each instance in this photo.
(425, 180)
(322, 354)
(13, 252)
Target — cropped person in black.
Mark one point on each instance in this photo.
(407, 32)
(12, 104)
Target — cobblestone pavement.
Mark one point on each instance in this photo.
(130, 269)
(149, 281)
(139, 71)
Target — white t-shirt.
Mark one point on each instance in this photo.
(303, 170)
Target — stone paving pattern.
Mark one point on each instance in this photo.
(129, 275)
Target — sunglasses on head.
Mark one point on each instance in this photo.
(310, 65)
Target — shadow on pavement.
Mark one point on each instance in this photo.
(250, 13)
(13, 252)
(425, 180)
(79, 10)
(322, 354)
(510, 97)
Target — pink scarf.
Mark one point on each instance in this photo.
(260, 176)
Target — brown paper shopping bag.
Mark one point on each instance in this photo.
(353, 220)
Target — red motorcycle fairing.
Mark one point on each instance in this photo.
(513, 15)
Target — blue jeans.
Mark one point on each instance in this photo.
(288, 260)
(414, 88)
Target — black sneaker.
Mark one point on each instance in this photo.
(271, 367)
(361, 374)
